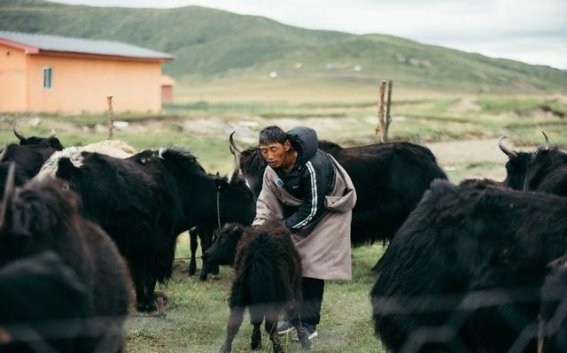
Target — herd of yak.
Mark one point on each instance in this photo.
(475, 267)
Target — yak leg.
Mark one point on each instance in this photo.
(206, 235)
(145, 284)
(293, 313)
(301, 334)
(193, 246)
(272, 329)
(234, 322)
(256, 340)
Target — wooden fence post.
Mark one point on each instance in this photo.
(110, 117)
(388, 117)
(384, 118)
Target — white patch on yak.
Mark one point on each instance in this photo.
(49, 168)
(112, 148)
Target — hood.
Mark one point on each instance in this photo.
(304, 140)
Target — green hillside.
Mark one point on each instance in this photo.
(211, 44)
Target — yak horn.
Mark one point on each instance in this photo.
(53, 133)
(546, 139)
(8, 190)
(236, 153)
(233, 148)
(18, 135)
(3, 152)
(506, 150)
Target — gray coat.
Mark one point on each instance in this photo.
(324, 247)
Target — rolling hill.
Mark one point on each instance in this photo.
(210, 44)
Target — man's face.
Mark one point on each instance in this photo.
(275, 153)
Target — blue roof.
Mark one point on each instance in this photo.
(45, 42)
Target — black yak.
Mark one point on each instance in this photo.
(463, 273)
(389, 178)
(267, 279)
(145, 201)
(68, 274)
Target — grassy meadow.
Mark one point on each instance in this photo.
(201, 118)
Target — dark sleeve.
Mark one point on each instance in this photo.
(313, 206)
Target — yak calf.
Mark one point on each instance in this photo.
(267, 280)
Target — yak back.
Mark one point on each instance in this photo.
(448, 215)
(396, 169)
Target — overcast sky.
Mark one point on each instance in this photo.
(532, 31)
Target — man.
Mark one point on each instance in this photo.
(313, 195)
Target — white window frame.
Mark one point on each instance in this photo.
(47, 77)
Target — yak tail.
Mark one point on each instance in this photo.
(267, 289)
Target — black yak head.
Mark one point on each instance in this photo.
(236, 202)
(50, 141)
(223, 250)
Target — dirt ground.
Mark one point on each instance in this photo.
(452, 154)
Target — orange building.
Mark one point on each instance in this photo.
(45, 73)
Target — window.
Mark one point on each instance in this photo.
(47, 77)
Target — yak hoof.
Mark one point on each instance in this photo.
(146, 308)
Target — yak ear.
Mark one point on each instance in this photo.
(8, 191)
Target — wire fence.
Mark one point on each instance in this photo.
(503, 321)
(483, 321)
(88, 335)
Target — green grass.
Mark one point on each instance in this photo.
(197, 314)
(203, 127)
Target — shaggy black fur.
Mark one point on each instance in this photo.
(267, 280)
(67, 274)
(463, 273)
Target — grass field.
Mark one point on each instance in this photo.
(197, 311)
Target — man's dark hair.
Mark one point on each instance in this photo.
(272, 134)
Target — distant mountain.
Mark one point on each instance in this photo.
(209, 43)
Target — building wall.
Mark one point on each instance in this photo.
(81, 84)
(13, 78)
